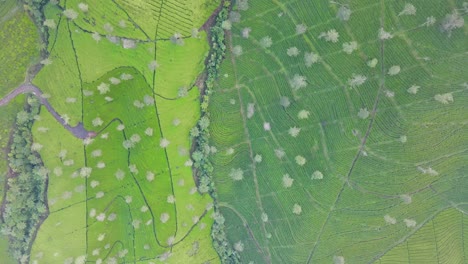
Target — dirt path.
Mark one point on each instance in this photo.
(78, 131)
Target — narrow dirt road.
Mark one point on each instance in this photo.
(78, 131)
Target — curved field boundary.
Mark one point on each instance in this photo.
(134, 181)
(78, 131)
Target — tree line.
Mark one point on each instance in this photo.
(201, 136)
(24, 206)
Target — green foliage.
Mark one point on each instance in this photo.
(19, 40)
(201, 135)
(24, 206)
(35, 7)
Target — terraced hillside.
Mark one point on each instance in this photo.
(126, 194)
(341, 130)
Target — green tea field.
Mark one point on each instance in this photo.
(126, 195)
(243, 131)
(341, 129)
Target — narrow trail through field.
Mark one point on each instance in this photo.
(78, 131)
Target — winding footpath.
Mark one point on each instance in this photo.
(78, 131)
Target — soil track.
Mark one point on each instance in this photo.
(78, 131)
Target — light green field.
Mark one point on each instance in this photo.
(108, 12)
(141, 20)
(18, 50)
(82, 208)
(66, 197)
(61, 79)
(403, 157)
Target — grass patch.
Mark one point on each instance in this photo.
(7, 8)
(107, 18)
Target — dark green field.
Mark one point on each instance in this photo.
(356, 156)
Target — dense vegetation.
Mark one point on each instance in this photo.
(201, 135)
(35, 7)
(25, 203)
(19, 38)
